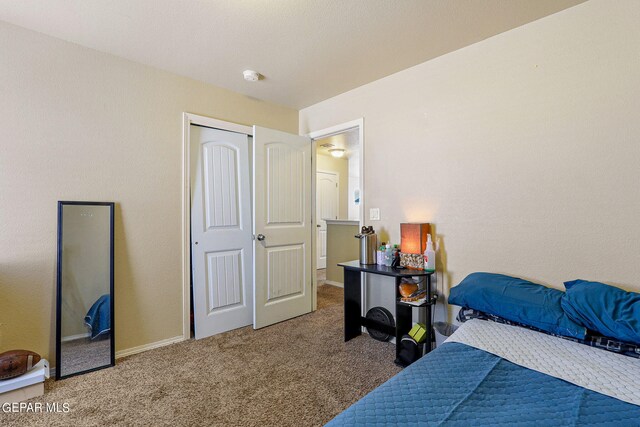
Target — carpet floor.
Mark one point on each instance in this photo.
(83, 354)
(295, 373)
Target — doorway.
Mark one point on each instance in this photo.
(339, 160)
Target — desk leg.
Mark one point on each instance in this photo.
(352, 308)
(403, 319)
(428, 311)
(403, 324)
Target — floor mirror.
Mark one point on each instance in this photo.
(84, 321)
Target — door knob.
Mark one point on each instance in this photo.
(318, 225)
(260, 237)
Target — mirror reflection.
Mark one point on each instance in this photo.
(85, 278)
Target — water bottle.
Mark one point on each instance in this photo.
(429, 255)
(388, 255)
(380, 254)
(368, 243)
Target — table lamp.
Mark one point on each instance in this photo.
(413, 238)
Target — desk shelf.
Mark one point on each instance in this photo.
(434, 298)
(353, 320)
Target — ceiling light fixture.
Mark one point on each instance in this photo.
(337, 152)
(251, 76)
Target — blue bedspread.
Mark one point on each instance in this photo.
(98, 318)
(460, 385)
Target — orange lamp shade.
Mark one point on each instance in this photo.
(413, 237)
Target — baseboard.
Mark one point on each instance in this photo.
(135, 350)
(151, 346)
(76, 337)
(332, 283)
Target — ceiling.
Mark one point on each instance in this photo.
(349, 141)
(307, 50)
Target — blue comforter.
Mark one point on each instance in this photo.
(459, 385)
(98, 318)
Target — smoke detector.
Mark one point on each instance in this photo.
(251, 76)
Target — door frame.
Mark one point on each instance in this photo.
(189, 119)
(337, 175)
(319, 134)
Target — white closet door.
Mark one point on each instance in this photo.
(282, 203)
(221, 235)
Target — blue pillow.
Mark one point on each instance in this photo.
(611, 311)
(517, 300)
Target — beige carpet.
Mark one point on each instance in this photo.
(83, 354)
(296, 373)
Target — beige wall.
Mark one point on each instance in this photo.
(523, 150)
(341, 167)
(76, 124)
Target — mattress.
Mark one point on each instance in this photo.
(461, 384)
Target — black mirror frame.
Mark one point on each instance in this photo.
(111, 206)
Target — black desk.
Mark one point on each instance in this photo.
(353, 319)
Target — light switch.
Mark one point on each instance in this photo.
(374, 214)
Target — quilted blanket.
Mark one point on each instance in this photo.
(98, 318)
(606, 372)
(460, 385)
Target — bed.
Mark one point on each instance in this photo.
(492, 374)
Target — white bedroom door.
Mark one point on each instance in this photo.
(221, 235)
(326, 208)
(282, 203)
